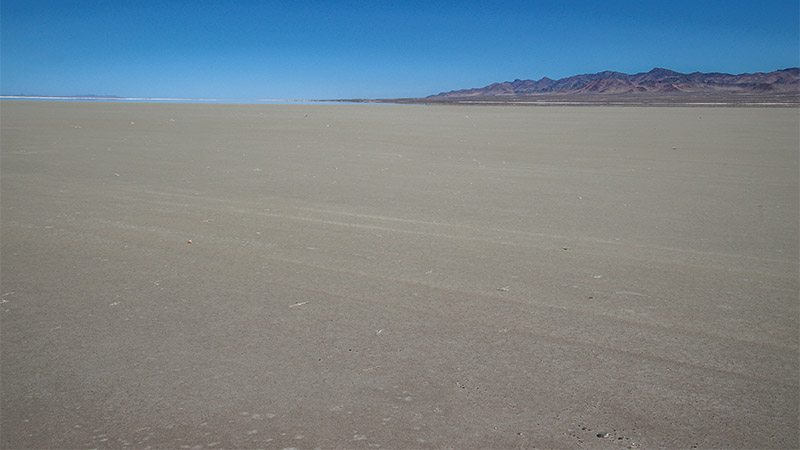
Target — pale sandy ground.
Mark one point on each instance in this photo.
(398, 276)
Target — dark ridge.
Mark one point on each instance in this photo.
(656, 81)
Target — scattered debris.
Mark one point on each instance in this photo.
(297, 304)
(602, 435)
(504, 288)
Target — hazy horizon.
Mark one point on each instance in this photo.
(110, 96)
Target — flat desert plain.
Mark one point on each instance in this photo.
(398, 276)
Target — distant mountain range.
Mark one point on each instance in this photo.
(656, 81)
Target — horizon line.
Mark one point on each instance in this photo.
(160, 99)
(108, 97)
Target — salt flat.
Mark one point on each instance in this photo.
(398, 276)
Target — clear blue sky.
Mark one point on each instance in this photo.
(369, 49)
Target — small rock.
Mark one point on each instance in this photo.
(602, 435)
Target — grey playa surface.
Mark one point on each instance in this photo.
(395, 276)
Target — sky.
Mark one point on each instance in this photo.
(373, 49)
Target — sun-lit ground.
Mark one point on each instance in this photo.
(398, 276)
